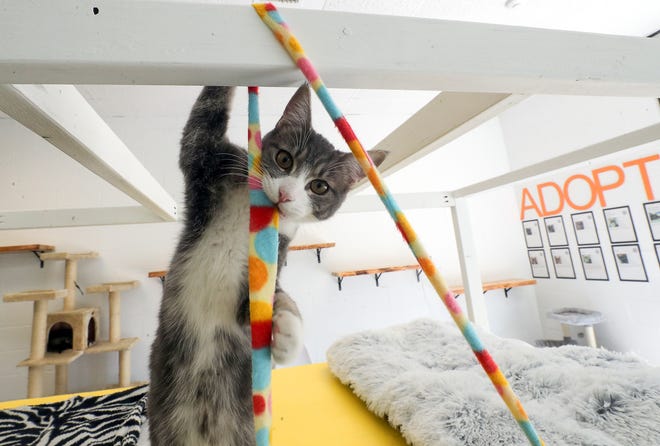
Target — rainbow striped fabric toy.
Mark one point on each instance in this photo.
(273, 20)
(262, 265)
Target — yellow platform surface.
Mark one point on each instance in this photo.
(310, 406)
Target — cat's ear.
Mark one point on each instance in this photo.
(356, 172)
(298, 111)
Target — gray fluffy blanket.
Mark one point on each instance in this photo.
(423, 378)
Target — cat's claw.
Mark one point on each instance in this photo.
(287, 337)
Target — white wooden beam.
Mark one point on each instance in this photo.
(59, 218)
(467, 256)
(627, 140)
(62, 116)
(422, 200)
(162, 42)
(445, 118)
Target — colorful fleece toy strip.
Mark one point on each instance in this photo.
(262, 265)
(272, 18)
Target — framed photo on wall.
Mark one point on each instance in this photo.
(620, 225)
(532, 232)
(593, 263)
(629, 263)
(556, 231)
(657, 252)
(538, 263)
(563, 263)
(652, 210)
(584, 225)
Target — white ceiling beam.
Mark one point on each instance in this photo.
(60, 218)
(182, 43)
(445, 118)
(62, 116)
(626, 141)
(418, 200)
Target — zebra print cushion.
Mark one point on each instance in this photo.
(112, 420)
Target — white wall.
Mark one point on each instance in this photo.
(34, 175)
(542, 127)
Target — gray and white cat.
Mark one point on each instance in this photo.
(200, 359)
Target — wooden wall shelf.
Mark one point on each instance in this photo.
(377, 272)
(316, 246)
(28, 248)
(505, 285)
(36, 248)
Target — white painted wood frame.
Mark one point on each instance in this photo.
(467, 257)
(59, 218)
(170, 43)
(627, 140)
(420, 200)
(62, 116)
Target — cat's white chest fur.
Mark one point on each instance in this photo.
(213, 276)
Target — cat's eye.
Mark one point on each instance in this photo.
(284, 159)
(319, 187)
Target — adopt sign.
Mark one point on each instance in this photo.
(582, 191)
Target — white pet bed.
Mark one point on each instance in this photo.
(425, 381)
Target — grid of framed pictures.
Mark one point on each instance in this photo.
(622, 236)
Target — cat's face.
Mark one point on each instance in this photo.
(303, 174)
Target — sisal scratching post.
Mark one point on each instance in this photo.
(270, 16)
(61, 379)
(37, 348)
(124, 368)
(70, 275)
(262, 264)
(115, 316)
(115, 341)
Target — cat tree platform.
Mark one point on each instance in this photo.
(56, 359)
(69, 255)
(35, 295)
(107, 346)
(112, 286)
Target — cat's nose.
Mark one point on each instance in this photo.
(284, 197)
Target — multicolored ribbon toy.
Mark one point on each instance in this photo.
(262, 265)
(272, 18)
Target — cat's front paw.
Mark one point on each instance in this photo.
(287, 337)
